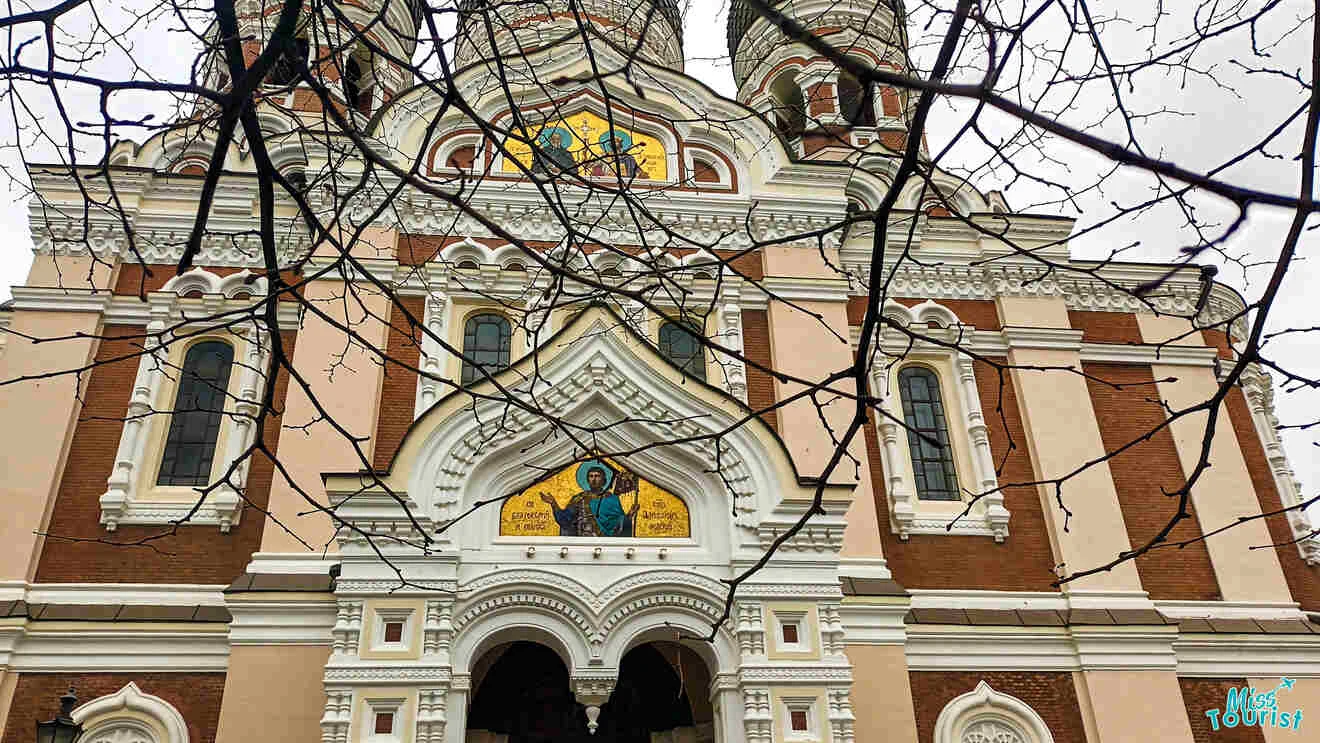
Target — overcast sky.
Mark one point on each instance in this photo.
(1212, 118)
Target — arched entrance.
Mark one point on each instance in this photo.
(522, 695)
(662, 696)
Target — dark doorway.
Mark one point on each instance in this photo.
(653, 697)
(524, 694)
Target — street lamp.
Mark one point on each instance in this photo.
(62, 729)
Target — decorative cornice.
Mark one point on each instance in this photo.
(55, 299)
(387, 674)
(1248, 655)
(1051, 339)
(282, 621)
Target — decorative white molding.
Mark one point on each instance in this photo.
(157, 379)
(864, 567)
(432, 358)
(967, 428)
(131, 594)
(106, 719)
(282, 621)
(984, 715)
(113, 647)
(286, 563)
(1229, 610)
(55, 299)
(872, 622)
(1248, 655)
(1258, 388)
(1112, 353)
(730, 335)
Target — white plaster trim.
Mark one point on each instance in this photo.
(55, 299)
(157, 380)
(946, 648)
(1229, 610)
(130, 700)
(867, 622)
(1001, 709)
(126, 310)
(805, 289)
(145, 594)
(966, 428)
(1168, 355)
(1220, 655)
(927, 598)
(1079, 647)
(291, 563)
(1125, 648)
(112, 647)
(1258, 388)
(278, 621)
(1053, 339)
(864, 567)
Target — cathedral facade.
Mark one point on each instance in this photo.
(484, 579)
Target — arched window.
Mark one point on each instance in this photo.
(131, 716)
(790, 107)
(198, 411)
(927, 434)
(286, 68)
(680, 344)
(856, 101)
(984, 715)
(358, 80)
(485, 345)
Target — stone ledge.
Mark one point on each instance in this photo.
(113, 612)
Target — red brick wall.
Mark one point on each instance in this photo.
(1200, 695)
(398, 391)
(1303, 580)
(1218, 339)
(1106, 327)
(1052, 695)
(820, 99)
(1141, 475)
(1020, 563)
(195, 695)
(133, 279)
(75, 550)
(756, 347)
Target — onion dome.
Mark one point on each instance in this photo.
(523, 28)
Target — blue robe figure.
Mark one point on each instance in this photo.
(597, 511)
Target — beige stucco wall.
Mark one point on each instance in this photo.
(1136, 705)
(1225, 491)
(48, 409)
(792, 329)
(70, 272)
(881, 694)
(1305, 695)
(346, 381)
(1062, 434)
(273, 693)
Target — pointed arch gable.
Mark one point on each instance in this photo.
(596, 370)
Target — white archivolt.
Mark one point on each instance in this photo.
(984, 715)
(131, 716)
(604, 377)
